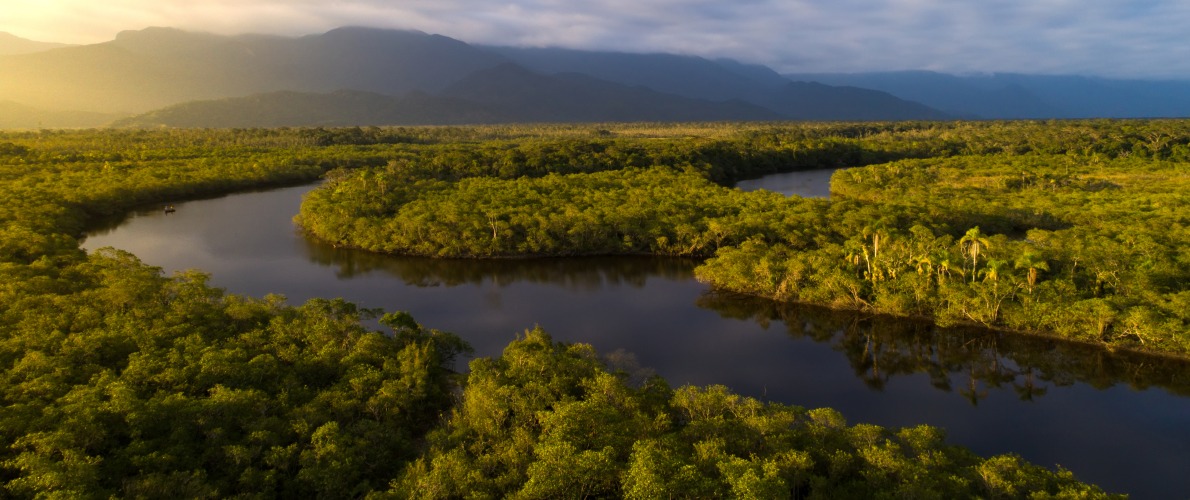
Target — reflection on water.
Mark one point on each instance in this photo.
(579, 273)
(1050, 402)
(966, 361)
(804, 183)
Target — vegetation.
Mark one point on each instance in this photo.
(968, 361)
(1070, 229)
(183, 391)
(1083, 251)
(547, 420)
(121, 382)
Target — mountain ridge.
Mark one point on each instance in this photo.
(1023, 96)
(163, 74)
(11, 44)
(505, 94)
(287, 108)
(410, 74)
(153, 68)
(19, 116)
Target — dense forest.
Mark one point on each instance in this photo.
(1070, 229)
(119, 381)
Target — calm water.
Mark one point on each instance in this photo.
(807, 183)
(1118, 421)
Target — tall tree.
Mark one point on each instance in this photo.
(1032, 263)
(973, 243)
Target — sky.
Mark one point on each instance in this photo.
(1110, 38)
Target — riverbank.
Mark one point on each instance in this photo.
(1025, 238)
(48, 278)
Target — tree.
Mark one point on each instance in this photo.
(974, 243)
(1032, 263)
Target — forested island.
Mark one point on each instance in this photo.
(1070, 229)
(122, 382)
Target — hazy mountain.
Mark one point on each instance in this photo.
(722, 80)
(293, 109)
(204, 78)
(1025, 96)
(505, 94)
(157, 67)
(201, 79)
(11, 44)
(374, 60)
(949, 93)
(19, 116)
(685, 76)
(526, 96)
(815, 101)
(1087, 97)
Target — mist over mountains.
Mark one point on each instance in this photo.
(1011, 96)
(366, 76)
(11, 45)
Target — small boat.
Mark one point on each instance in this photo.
(169, 209)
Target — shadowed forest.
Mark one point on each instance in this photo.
(122, 382)
(1069, 229)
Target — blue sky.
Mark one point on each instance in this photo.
(1116, 38)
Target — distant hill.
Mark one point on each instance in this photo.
(686, 76)
(525, 96)
(148, 69)
(815, 101)
(1004, 96)
(1087, 97)
(349, 76)
(11, 45)
(505, 94)
(336, 109)
(169, 76)
(19, 116)
(363, 76)
(723, 80)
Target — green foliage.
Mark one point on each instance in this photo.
(546, 420)
(148, 383)
(655, 211)
(1069, 229)
(120, 382)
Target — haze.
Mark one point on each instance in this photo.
(1135, 39)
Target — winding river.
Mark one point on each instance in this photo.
(1120, 421)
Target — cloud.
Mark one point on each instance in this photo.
(1142, 38)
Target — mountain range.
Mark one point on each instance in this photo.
(367, 76)
(1015, 96)
(11, 44)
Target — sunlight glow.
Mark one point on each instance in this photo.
(1097, 37)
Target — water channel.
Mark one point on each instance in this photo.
(1120, 421)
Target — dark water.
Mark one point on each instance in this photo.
(1118, 421)
(806, 183)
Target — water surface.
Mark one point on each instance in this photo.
(1122, 422)
(804, 183)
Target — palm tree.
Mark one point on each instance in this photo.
(945, 263)
(925, 265)
(993, 269)
(973, 243)
(1033, 262)
(876, 233)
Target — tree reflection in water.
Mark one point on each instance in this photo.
(585, 273)
(968, 361)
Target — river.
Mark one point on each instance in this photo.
(1115, 420)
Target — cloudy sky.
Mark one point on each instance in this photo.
(1119, 38)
